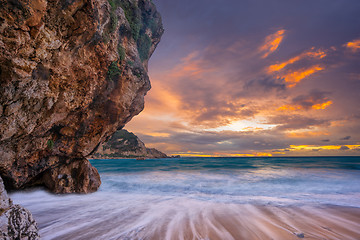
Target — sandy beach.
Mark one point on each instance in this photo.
(207, 199)
(251, 222)
(105, 217)
(256, 222)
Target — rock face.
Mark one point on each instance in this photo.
(77, 176)
(16, 222)
(71, 74)
(127, 145)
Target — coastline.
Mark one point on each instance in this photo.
(120, 158)
(129, 216)
(203, 199)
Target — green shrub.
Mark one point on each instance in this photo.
(113, 21)
(144, 44)
(133, 16)
(121, 52)
(50, 144)
(113, 72)
(135, 29)
(114, 4)
(153, 25)
(130, 63)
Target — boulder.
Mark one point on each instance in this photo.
(16, 222)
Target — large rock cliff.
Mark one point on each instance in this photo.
(72, 72)
(124, 144)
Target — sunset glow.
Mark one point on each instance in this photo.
(309, 54)
(272, 42)
(292, 78)
(318, 106)
(354, 45)
(269, 87)
(322, 105)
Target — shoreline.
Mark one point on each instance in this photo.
(127, 216)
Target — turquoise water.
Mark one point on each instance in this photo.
(225, 163)
(291, 180)
(177, 198)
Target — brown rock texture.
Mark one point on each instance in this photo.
(71, 74)
(16, 222)
(77, 176)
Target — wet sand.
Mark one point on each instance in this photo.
(138, 217)
(262, 222)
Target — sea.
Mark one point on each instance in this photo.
(180, 198)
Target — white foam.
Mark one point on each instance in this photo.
(140, 216)
(201, 205)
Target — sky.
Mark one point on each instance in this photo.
(254, 78)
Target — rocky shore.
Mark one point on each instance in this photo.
(72, 73)
(16, 222)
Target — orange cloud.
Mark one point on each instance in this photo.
(272, 42)
(276, 153)
(306, 134)
(354, 45)
(292, 78)
(156, 107)
(290, 108)
(322, 105)
(327, 147)
(195, 155)
(309, 54)
(157, 134)
(191, 65)
(318, 106)
(220, 154)
(263, 154)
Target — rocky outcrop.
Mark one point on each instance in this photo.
(71, 74)
(77, 176)
(154, 153)
(124, 144)
(16, 222)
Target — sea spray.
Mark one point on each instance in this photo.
(206, 198)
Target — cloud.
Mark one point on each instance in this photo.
(354, 45)
(312, 53)
(292, 78)
(272, 42)
(220, 142)
(266, 84)
(297, 68)
(306, 134)
(296, 122)
(314, 100)
(346, 138)
(326, 147)
(210, 74)
(206, 88)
